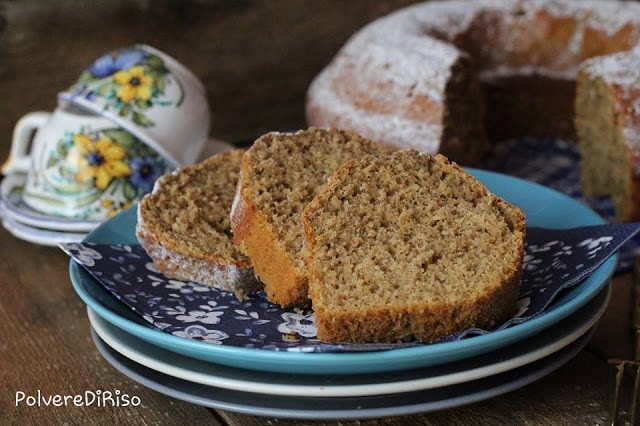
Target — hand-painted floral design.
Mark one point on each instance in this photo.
(135, 85)
(116, 61)
(111, 207)
(101, 159)
(130, 82)
(108, 164)
(144, 172)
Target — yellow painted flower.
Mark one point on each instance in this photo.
(113, 208)
(134, 84)
(101, 159)
(107, 203)
(123, 206)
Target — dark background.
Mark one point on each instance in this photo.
(256, 58)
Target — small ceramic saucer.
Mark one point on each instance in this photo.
(19, 212)
(36, 235)
(31, 225)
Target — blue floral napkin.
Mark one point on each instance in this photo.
(554, 261)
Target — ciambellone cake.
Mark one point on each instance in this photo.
(410, 247)
(280, 175)
(608, 125)
(446, 76)
(183, 225)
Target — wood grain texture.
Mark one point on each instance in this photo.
(45, 346)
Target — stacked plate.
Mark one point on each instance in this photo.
(350, 385)
(30, 225)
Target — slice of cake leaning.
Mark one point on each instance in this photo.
(280, 175)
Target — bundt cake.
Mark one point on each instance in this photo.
(410, 247)
(439, 75)
(280, 175)
(183, 225)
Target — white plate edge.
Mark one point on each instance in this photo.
(137, 356)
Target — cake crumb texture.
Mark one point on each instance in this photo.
(280, 175)
(184, 225)
(457, 77)
(410, 247)
(608, 126)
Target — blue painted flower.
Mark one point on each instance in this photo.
(144, 172)
(116, 61)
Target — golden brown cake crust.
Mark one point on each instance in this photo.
(344, 309)
(309, 156)
(391, 81)
(257, 238)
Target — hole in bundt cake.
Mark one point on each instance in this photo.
(450, 76)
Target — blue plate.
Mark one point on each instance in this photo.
(543, 207)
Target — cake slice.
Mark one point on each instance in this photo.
(410, 247)
(608, 128)
(280, 175)
(183, 225)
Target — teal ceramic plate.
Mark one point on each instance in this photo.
(525, 352)
(543, 207)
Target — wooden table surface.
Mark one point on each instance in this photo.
(256, 59)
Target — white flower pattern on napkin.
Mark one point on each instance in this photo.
(554, 260)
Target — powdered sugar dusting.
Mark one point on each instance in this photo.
(621, 71)
(369, 86)
(388, 129)
(375, 89)
(443, 19)
(607, 17)
(388, 54)
(621, 68)
(635, 107)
